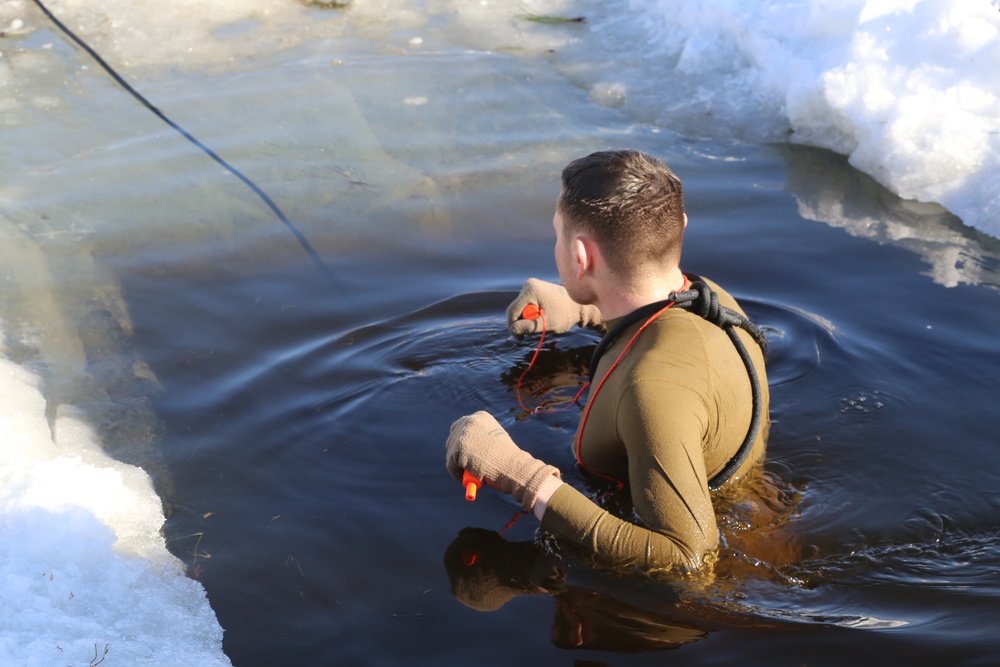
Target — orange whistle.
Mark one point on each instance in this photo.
(531, 312)
(471, 484)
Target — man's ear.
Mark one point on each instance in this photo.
(585, 254)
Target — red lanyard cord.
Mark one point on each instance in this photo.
(532, 312)
(700, 300)
(528, 314)
(593, 397)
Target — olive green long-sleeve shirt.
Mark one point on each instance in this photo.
(671, 415)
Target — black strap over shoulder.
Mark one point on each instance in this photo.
(702, 301)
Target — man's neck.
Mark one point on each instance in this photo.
(618, 300)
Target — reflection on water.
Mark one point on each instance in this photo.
(487, 572)
(829, 190)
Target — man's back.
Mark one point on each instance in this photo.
(672, 413)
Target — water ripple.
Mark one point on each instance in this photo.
(796, 339)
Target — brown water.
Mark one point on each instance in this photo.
(299, 422)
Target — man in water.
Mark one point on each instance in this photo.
(678, 405)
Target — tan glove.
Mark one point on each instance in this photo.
(561, 312)
(478, 444)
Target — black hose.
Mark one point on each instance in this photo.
(299, 236)
(740, 457)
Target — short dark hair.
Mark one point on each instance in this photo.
(631, 203)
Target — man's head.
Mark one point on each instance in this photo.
(630, 204)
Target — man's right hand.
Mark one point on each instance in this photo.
(560, 313)
(479, 445)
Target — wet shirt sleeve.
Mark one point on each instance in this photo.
(668, 483)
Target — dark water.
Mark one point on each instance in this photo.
(307, 424)
(305, 417)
